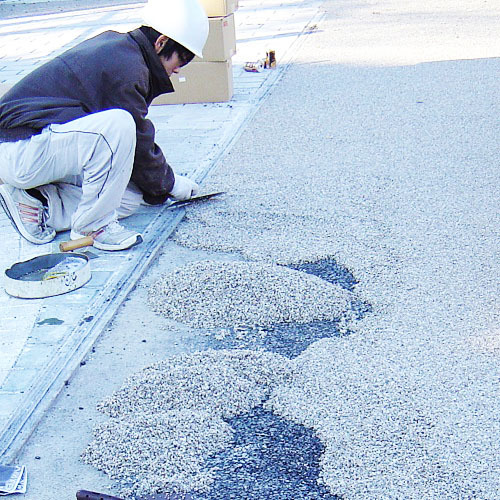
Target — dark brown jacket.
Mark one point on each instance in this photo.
(111, 70)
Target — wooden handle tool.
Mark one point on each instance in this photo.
(67, 246)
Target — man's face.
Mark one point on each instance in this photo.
(172, 65)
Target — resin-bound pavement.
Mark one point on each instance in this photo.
(42, 341)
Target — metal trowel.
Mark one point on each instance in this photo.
(195, 199)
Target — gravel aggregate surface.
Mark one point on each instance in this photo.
(396, 426)
(209, 294)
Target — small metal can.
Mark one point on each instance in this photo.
(254, 67)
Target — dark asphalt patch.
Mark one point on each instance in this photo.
(361, 308)
(329, 270)
(271, 459)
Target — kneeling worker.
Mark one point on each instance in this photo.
(76, 149)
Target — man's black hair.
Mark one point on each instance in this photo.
(171, 46)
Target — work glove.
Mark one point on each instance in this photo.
(184, 188)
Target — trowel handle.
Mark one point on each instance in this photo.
(67, 246)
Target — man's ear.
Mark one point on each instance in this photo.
(160, 43)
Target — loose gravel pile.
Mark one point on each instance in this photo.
(155, 453)
(168, 418)
(222, 294)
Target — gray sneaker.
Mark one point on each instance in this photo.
(111, 237)
(27, 214)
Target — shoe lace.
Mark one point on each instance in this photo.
(45, 216)
(113, 227)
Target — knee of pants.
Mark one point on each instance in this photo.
(121, 123)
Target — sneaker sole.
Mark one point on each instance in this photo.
(128, 243)
(13, 216)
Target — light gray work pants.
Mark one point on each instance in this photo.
(82, 167)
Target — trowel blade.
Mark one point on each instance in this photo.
(195, 199)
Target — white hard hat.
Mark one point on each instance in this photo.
(185, 21)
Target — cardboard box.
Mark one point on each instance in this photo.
(201, 82)
(219, 8)
(221, 41)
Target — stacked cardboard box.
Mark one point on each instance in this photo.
(209, 79)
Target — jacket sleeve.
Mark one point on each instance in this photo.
(151, 172)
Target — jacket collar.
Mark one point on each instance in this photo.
(160, 82)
